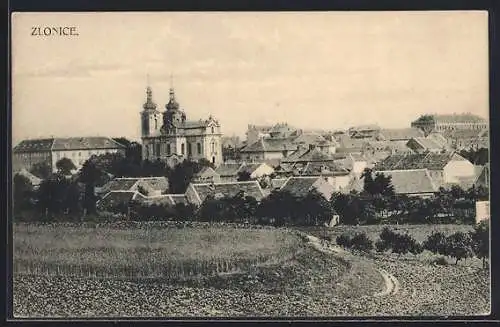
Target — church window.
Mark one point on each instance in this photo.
(158, 150)
(198, 145)
(182, 148)
(213, 130)
(213, 147)
(156, 123)
(168, 149)
(190, 149)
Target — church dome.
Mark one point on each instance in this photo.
(149, 104)
(172, 103)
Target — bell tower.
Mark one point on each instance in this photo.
(150, 117)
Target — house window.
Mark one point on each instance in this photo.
(168, 149)
(79, 154)
(198, 145)
(182, 148)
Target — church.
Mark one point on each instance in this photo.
(169, 135)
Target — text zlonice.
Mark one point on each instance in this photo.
(54, 31)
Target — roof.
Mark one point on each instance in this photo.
(431, 161)
(349, 143)
(426, 143)
(270, 145)
(127, 183)
(459, 118)
(324, 168)
(309, 138)
(168, 199)
(69, 143)
(483, 176)
(299, 185)
(114, 198)
(465, 133)
(206, 171)
(34, 145)
(251, 167)
(414, 181)
(120, 184)
(228, 169)
(397, 134)
(312, 155)
(278, 182)
(359, 128)
(156, 183)
(250, 188)
(397, 146)
(195, 124)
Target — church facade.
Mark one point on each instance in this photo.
(169, 135)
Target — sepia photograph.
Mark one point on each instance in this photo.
(184, 165)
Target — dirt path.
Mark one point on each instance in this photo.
(391, 283)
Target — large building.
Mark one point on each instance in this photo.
(30, 152)
(170, 134)
(442, 123)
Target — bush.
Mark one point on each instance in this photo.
(361, 242)
(344, 240)
(382, 246)
(441, 261)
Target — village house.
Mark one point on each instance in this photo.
(411, 182)
(78, 149)
(300, 186)
(363, 132)
(398, 134)
(467, 139)
(147, 186)
(444, 168)
(265, 149)
(425, 144)
(229, 172)
(197, 193)
(207, 175)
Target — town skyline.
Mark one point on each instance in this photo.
(418, 63)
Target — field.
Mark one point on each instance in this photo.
(71, 271)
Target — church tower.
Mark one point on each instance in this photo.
(150, 117)
(173, 117)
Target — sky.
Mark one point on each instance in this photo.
(318, 70)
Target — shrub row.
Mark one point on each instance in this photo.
(457, 246)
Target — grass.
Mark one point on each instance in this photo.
(145, 252)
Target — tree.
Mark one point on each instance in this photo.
(368, 183)
(41, 169)
(459, 246)
(481, 240)
(280, 206)
(182, 174)
(89, 175)
(244, 176)
(436, 243)
(22, 192)
(65, 166)
(315, 209)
